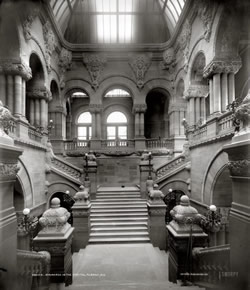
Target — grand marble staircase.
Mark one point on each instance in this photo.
(119, 215)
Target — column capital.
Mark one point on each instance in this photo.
(13, 67)
(139, 108)
(218, 66)
(39, 93)
(95, 108)
(196, 91)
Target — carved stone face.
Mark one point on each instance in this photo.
(169, 56)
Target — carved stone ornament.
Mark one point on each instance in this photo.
(95, 65)
(64, 63)
(169, 60)
(222, 66)
(242, 113)
(27, 24)
(50, 43)
(55, 218)
(14, 67)
(8, 170)
(39, 93)
(196, 91)
(95, 108)
(139, 108)
(82, 196)
(184, 41)
(6, 121)
(155, 195)
(140, 65)
(206, 16)
(239, 168)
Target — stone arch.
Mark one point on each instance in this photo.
(26, 184)
(214, 169)
(175, 184)
(18, 195)
(119, 81)
(77, 85)
(159, 83)
(60, 186)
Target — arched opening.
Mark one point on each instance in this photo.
(55, 109)
(84, 126)
(35, 90)
(19, 203)
(117, 126)
(156, 116)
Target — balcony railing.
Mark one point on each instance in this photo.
(35, 133)
(76, 145)
(117, 144)
(170, 166)
(67, 168)
(159, 143)
(33, 270)
(225, 123)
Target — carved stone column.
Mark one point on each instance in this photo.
(145, 167)
(184, 223)
(96, 110)
(56, 238)
(139, 111)
(81, 214)
(157, 212)
(239, 226)
(8, 224)
(221, 82)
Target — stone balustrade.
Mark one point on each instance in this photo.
(225, 122)
(159, 143)
(118, 143)
(67, 168)
(35, 134)
(74, 145)
(212, 264)
(170, 166)
(33, 270)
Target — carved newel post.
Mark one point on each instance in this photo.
(157, 211)
(183, 231)
(56, 238)
(90, 181)
(239, 226)
(81, 214)
(9, 154)
(146, 180)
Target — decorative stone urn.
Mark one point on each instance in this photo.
(82, 196)
(155, 195)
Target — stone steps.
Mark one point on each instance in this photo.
(119, 216)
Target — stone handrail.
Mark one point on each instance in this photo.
(33, 270)
(170, 166)
(200, 133)
(118, 143)
(67, 168)
(159, 143)
(213, 262)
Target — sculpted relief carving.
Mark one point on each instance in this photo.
(140, 65)
(50, 43)
(64, 63)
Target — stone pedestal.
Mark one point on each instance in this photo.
(181, 229)
(8, 223)
(56, 238)
(145, 167)
(140, 143)
(81, 214)
(92, 172)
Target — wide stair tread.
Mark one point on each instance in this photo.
(119, 240)
(117, 229)
(118, 224)
(118, 210)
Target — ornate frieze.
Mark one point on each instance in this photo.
(6, 121)
(206, 16)
(184, 41)
(27, 24)
(50, 43)
(8, 170)
(140, 65)
(13, 67)
(222, 66)
(169, 60)
(95, 64)
(239, 167)
(196, 91)
(139, 108)
(64, 63)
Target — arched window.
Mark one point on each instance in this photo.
(84, 128)
(116, 126)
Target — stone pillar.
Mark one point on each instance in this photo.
(157, 212)
(24, 98)
(191, 111)
(92, 174)
(93, 114)
(32, 111)
(9, 154)
(197, 110)
(222, 88)
(81, 219)
(10, 93)
(95, 142)
(239, 227)
(141, 130)
(98, 125)
(3, 89)
(203, 108)
(43, 113)
(37, 112)
(180, 229)
(18, 89)
(56, 238)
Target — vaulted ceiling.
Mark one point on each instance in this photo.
(117, 21)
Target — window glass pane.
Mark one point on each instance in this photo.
(82, 133)
(90, 132)
(85, 118)
(117, 93)
(122, 132)
(111, 132)
(117, 117)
